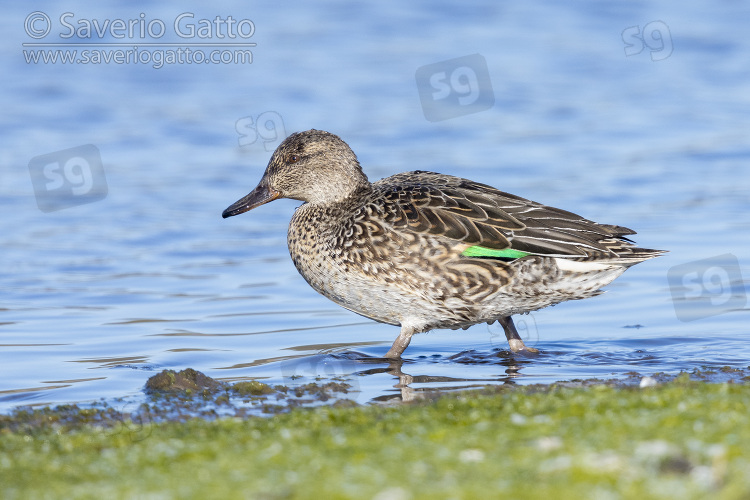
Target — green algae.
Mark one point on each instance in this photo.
(252, 388)
(185, 381)
(680, 439)
(192, 393)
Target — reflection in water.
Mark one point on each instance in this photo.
(410, 385)
(406, 381)
(413, 379)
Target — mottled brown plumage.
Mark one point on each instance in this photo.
(424, 250)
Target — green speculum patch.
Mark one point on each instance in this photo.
(507, 253)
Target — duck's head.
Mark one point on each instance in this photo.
(313, 166)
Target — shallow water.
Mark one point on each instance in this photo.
(98, 296)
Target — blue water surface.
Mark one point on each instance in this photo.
(113, 285)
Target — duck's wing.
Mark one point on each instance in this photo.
(486, 222)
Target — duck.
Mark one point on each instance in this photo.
(423, 250)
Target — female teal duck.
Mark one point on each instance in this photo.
(424, 250)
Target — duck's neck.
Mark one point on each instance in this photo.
(339, 190)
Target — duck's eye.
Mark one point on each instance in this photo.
(293, 159)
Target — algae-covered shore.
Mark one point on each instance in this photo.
(684, 438)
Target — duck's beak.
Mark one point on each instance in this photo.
(257, 197)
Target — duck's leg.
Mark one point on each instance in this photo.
(514, 340)
(401, 342)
